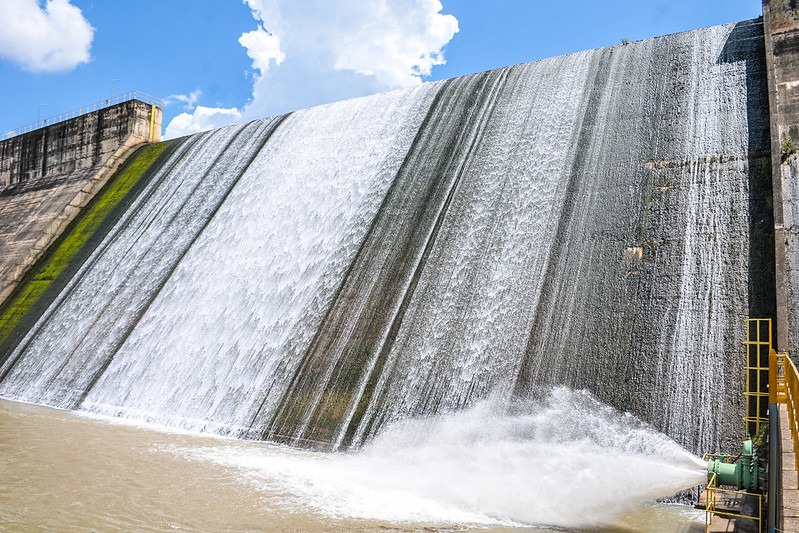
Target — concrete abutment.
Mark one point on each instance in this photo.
(48, 175)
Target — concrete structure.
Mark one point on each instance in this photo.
(75, 145)
(781, 32)
(781, 29)
(49, 174)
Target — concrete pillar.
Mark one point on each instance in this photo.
(781, 30)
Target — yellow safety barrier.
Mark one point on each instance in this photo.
(712, 493)
(784, 388)
(710, 501)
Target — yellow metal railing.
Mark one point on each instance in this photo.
(713, 492)
(784, 388)
(710, 501)
(756, 394)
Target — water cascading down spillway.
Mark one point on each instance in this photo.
(597, 220)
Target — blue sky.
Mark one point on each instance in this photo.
(222, 61)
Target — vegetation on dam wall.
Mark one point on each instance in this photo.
(66, 251)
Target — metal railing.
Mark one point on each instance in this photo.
(712, 493)
(108, 102)
(784, 388)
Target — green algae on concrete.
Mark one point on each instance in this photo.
(65, 250)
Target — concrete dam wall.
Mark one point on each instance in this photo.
(49, 174)
(599, 220)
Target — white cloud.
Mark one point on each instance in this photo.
(404, 44)
(189, 101)
(203, 119)
(262, 47)
(318, 51)
(52, 38)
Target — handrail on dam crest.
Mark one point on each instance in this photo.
(102, 104)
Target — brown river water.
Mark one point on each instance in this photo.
(64, 471)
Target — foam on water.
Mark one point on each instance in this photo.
(567, 460)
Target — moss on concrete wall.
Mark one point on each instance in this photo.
(66, 250)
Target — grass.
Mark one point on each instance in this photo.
(787, 148)
(67, 247)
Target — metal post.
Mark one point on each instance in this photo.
(152, 121)
(39, 114)
(774, 469)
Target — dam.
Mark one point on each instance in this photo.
(602, 221)
(571, 221)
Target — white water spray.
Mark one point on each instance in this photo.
(567, 461)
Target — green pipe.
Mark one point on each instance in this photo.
(742, 474)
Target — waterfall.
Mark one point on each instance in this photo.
(582, 221)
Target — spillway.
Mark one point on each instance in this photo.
(598, 220)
